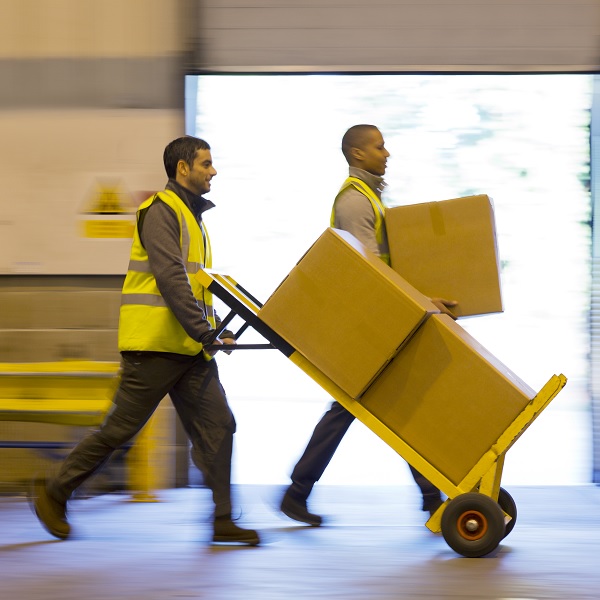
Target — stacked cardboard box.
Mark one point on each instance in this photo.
(345, 310)
(448, 249)
(447, 397)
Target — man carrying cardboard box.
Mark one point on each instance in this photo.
(358, 209)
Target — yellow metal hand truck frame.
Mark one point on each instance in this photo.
(478, 513)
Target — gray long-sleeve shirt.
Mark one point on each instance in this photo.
(159, 233)
(354, 212)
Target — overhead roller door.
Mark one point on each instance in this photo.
(397, 35)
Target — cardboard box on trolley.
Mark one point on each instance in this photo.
(447, 249)
(447, 397)
(345, 310)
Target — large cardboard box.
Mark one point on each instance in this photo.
(447, 397)
(448, 249)
(345, 310)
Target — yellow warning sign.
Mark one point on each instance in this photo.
(104, 228)
(109, 212)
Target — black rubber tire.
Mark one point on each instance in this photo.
(507, 504)
(473, 524)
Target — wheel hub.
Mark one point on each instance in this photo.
(472, 525)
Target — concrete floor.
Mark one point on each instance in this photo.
(373, 547)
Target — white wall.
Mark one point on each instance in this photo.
(90, 94)
(58, 162)
(87, 28)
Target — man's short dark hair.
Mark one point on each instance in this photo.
(183, 148)
(354, 138)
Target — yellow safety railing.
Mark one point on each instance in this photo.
(74, 393)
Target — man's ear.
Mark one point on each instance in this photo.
(357, 154)
(183, 168)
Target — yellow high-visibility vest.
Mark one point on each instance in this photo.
(378, 210)
(146, 323)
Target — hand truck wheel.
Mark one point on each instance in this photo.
(507, 504)
(473, 524)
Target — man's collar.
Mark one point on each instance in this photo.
(375, 182)
(198, 204)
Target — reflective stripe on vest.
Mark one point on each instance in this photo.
(378, 210)
(146, 322)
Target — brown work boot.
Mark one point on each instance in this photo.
(297, 509)
(51, 513)
(226, 531)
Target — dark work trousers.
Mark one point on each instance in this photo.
(200, 401)
(320, 450)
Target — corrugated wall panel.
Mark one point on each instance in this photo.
(402, 35)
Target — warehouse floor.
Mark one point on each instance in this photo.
(374, 546)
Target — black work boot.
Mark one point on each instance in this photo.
(51, 513)
(226, 531)
(295, 508)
